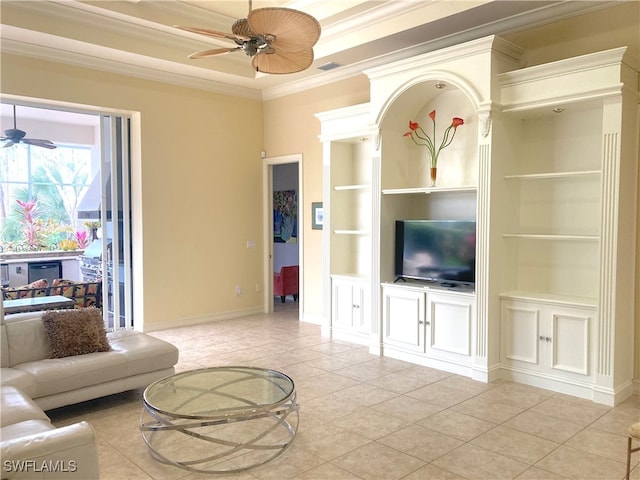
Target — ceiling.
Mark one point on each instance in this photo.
(137, 37)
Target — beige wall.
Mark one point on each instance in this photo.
(199, 194)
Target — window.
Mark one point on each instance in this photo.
(40, 190)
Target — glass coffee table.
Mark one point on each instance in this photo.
(220, 419)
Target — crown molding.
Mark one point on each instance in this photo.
(117, 25)
(47, 47)
(540, 16)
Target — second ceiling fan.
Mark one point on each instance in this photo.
(13, 136)
(279, 40)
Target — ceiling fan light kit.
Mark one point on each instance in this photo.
(279, 40)
(13, 136)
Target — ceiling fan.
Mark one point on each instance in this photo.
(279, 40)
(14, 136)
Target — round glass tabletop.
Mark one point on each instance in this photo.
(219, 392)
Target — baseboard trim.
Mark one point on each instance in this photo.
(588, 391)
(201, 319)
(345, 336)
(310, 318)
(419, 359)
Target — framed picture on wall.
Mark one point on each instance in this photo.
(285, 216)
(317, 216)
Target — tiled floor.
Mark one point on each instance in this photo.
(365, 417)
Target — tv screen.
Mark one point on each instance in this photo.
(436, 250)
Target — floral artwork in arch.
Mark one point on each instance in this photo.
(285, 216)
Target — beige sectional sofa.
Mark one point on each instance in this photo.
(33, 448)
(31, 382)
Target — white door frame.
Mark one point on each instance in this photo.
(267, 217)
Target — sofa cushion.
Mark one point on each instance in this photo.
(17, 407)
(144, 353)
(26, 338)
(55, 375)
(37, 288)
(75, 332)
(20, 379)
(85, 294)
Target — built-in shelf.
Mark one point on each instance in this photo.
(538, 236)
(540, 176)
(340, 188)
(351, 232)
(548, 185)
(572, 300)
(351, 276)
(439, 286)
(426, 190)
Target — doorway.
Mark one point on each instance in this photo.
(283, 228)
(100, 202)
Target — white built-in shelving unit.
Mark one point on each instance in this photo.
(348, 158)
(546, 164)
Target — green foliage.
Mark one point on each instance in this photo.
(56, 180)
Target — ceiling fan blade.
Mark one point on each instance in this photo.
(282, 62)
(38, 142)
(8, 144)
(214, 52)
(212, 33)
(293, 30)
(241, 27)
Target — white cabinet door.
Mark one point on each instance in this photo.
(450, 319)
(569, 339)
(403, 315)
(362, 308)
(342, 304)
(351, 305)
(520, 334)
(546, 337)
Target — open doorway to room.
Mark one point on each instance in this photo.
(284, 236)
(65, 209)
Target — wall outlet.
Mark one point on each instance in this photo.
(238, 290)
(258, 287)
(251, 244)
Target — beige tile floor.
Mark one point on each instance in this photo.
(366, 417)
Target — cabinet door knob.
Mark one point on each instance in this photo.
(541, 338)
(420, 322)
(548, 339)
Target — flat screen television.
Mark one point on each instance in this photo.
(436, 250)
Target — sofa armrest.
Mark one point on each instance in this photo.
(63, 453)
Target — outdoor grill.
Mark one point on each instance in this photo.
(91, 262)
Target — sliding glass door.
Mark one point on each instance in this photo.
(73, 199)
(115, 216)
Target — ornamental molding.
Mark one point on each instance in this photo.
(484, 121)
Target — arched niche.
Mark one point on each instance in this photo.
(405, 164)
